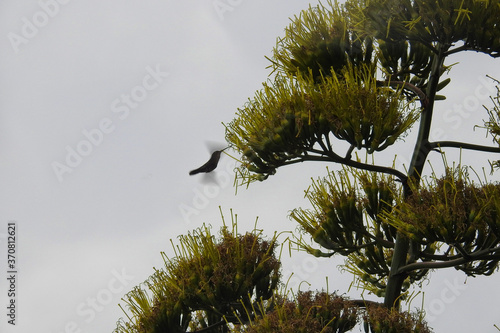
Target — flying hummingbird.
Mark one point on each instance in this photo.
(210, 165)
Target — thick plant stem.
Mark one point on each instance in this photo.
(422, 148)
(395, 281)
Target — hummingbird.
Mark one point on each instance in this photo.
(210, 165)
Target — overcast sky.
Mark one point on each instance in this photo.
(104, 109)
